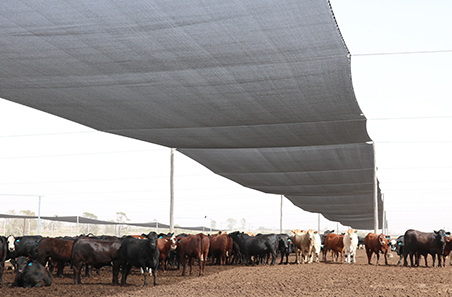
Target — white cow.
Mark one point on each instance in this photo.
(304, 245)
(317, 246)
(350, 245)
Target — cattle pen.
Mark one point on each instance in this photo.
(315, 279)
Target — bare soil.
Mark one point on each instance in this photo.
(315, 279)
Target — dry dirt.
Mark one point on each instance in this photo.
(316, 279)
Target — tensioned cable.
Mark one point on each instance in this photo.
(82, 154)
(402, 53)
(48, 134)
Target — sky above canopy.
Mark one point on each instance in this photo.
(401, 83)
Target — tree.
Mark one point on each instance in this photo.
(27, 224)
(231, 223)
(243, 224)
(14, 227)
(121, 218)
(88, 228)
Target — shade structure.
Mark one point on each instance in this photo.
(258, 91)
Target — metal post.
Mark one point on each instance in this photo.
(280, 216)
(375, 193)
(76, 227)
(172, 193)
(318, 224)
(39, 216)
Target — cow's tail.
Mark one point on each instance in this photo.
(72, 250)
(202, 247)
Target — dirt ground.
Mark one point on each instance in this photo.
(315, 279)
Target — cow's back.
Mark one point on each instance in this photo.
(58, 249)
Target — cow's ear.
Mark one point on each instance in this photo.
(356, 231)
(448, 233)
(388, 237)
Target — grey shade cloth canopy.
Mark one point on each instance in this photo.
(260, 92)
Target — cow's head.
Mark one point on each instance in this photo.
(152, 239)
(173, 240)
(11, 243)
(384, 242)
(283, 241)
(22, 264)
(441, 236)
(351, 234)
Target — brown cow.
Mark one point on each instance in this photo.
(335, 243)
(375, 243)
(165, 244)
(59, 250)
(194, 247)
(447, 250)
(220, 248)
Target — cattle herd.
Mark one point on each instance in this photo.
(35, 257)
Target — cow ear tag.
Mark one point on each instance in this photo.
(288, 239)
(29, 264)
(160, 237)
(17, 240)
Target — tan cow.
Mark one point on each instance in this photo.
(304, 245)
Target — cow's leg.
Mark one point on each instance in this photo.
(146, 275)
(411, 259)
(200, 264)
(115, 273)
(369, 256)
(154, 272)
(378, 256)
(273, 254)
(183, 262)
(191, 261)
(77, 271)
(125, 272)
(60, 268)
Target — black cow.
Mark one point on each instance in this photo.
(94, 252)
(3, 253)
(283, 246)
(142, 253)
(259, 245)
(398, 247)
(31, 273)
(26, 246)
(421, 243)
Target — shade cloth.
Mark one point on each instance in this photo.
(82, 220)
(258, 91)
